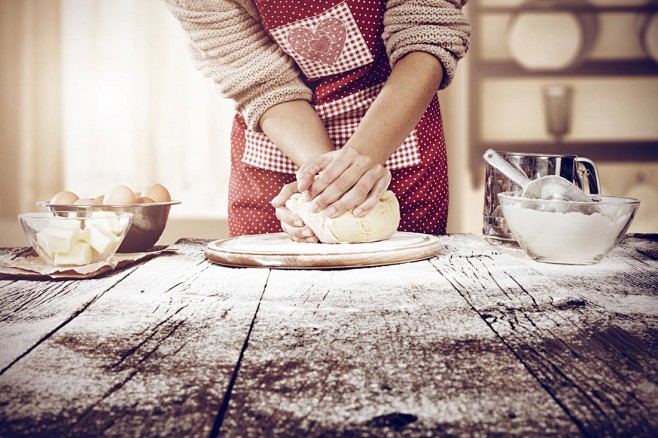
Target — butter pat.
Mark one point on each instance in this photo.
(80, 254)
(107, 220)
(59, 236)
(100, 238)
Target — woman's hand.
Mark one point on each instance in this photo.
(291, 224)
(341, 180)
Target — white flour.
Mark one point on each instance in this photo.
(571, 237)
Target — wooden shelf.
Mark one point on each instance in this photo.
(644, 67)
(599, 151)
(548, 7)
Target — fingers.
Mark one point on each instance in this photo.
(365, 194)
(306, 173)
(375, 195)
(286, 192)
(339, 181)
(352, 179)
(344, 159)
(292, 225)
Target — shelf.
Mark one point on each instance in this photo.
(648, 8)
(598, 151)
(644, 67)
(621, 150)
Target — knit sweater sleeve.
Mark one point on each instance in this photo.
(438, 27)
(229, 46)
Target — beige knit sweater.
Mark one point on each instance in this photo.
(230, 47)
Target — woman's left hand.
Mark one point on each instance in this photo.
(291, 224)
(342, 180)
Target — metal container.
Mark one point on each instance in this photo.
(573, 168)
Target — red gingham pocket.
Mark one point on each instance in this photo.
(341, 118)
(325, 44)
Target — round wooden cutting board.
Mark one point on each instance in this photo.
(278, 251)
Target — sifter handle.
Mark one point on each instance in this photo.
(498, 162)
(592, 175)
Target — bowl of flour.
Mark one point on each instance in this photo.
(568, 232)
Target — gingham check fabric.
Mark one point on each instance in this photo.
(340, 117)
(325, 44)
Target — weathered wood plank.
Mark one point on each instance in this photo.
(377, 351)
(154, 356)
(31, 311)
(588, 334)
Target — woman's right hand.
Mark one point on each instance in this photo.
(342, 180)
(291, 224)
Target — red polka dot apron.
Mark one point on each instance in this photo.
(337, 45)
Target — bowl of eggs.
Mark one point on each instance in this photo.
(150, 210)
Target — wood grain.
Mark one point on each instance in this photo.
(376, 351)
(478, 341)
(154, 356)
(31, 311)
(573, 328)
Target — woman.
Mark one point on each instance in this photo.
(336, 99)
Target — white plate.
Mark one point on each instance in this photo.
(545, 40)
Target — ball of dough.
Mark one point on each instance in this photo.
(380, 223)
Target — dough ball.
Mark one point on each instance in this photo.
(380, 223)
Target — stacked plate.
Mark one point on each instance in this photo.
(551, 40)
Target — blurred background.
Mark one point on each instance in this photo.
(96, 93)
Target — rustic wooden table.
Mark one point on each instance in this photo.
(476, 341)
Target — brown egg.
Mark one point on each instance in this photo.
(99, 199)
(86, 201)
(157, 192)
(64, 198)
(144, 200)
(119, 195)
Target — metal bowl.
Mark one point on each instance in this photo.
(149, 221)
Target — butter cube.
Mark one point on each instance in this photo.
(100, 238)
(59, 236)
(80, 254)
(107, 220)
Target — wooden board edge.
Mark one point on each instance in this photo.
(304, 261)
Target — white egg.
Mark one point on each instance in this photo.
(119, 195)
(157, 192)
(86, 201)
(144, 200)
(64, 198)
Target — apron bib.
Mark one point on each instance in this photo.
(339, 50)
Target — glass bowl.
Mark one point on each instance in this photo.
(149, 221)
(75, 238)
(568, 232)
